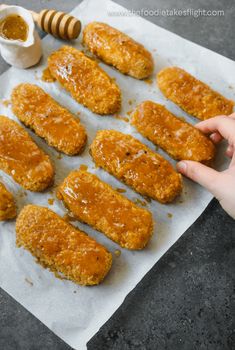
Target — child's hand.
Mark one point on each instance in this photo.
(220, 184)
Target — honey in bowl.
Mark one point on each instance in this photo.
(14, 27)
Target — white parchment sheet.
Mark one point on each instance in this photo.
(76, 313)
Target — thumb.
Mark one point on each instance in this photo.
(200, 173)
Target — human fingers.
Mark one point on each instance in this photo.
(222, 124)
(216, 137)
(227, 191)
(230, 151)
(200, 173)
(232, 163)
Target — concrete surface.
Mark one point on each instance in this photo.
(187, 300)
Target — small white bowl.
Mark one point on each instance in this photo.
(21, 54)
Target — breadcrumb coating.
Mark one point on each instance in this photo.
(85, 80)
(192, 95)
(136, 165)
(118, 49)
(61, 247)
(7, 204)
(39, 111)
(178, 138)
(97, 204)
(22, 159)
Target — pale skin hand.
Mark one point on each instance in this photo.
(220, 184)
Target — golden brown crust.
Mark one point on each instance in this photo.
(96, 203)
(136, 165)
(175, 136)
(61, 247)
(192, 95)
(85, 80)
(39, 111)
(22, 159)
(118, 49)
(7, 204)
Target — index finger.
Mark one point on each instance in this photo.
(224, 125)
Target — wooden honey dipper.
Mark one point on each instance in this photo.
(59, 24)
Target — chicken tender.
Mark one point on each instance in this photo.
(85, 80)
(21, 158)
(39, 111)
(97, 204)
(191, 94)
(118, 49)
(7, 204)
(61, 247)
(175, 136)
(136, 165)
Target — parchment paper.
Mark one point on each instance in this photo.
(76, 313)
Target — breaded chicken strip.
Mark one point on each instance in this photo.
(97, 204)
(61, 247)
(7, 204)
(136, 165)
(118, 49)
(191, 94)
(21, 158)
(177, 137)
(85, 80)
(39, 111)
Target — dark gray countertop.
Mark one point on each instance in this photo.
(187, 300)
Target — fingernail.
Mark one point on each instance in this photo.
(213, 137)
(182, 166)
